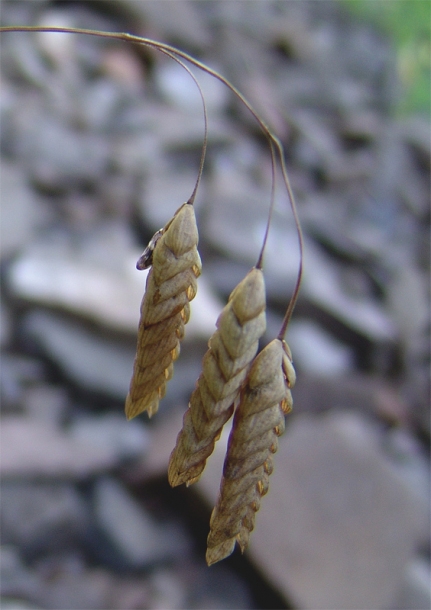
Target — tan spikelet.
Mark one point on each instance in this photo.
(171, 284)
(259, 420)
(225, 366)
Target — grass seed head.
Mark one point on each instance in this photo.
(171, 284)
(258, 421)
(224, 368)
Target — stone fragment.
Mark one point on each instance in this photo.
(60, 157)
(5, 324)
(220, 588)
(341, 521)
(323, 286)
(137, 537)
(92, 361)
(21, 210)
(168, 590)
(69, 583)
(18, 582)
(317, 352)
(339, 526)
(98, 280)
(45, 403)
(179, 89)
(41, 517)
(415, 590)
(111, 431)
(30, 448)
(172, 18)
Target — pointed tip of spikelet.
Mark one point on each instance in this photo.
(220, 551)
(251, 293)
(181, 234)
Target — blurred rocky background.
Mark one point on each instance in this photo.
(100, 144)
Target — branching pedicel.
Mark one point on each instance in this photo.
(232, 375)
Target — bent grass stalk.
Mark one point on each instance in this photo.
(262, 383)
(273, 140)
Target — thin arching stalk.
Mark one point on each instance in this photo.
(259, 263)
(204, 108)
(272, 139)
(295, 295)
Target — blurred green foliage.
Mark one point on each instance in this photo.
(408, 24)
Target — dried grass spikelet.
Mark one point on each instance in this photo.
(171, 285)
(259, 420)
(225, 365)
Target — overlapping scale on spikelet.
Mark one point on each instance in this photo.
(258, 422)
(224, 368)
(171, 285)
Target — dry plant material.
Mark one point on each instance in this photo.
(264, 397)
(171, 285)
(258, 422)
(225, 365)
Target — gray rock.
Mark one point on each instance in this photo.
(97, 279)
(364, 393)
(45, 403)
(316, 352)
(136, 535)
(100, 104)
(237, 211)
(59, 157)
(168, 590)
(165, 190)
(19, 55)
(219, 588)
(133, 592)
(415, 590)
(323, 285)
(17, 581)
(164, 432)
(22, 213)
(408, 301)
(410, 460)
(127, 439)
(8, 603)
(30, 448)
(416, 130)
(41, 517)
(69, 583)
(17, 372)
(91, 360)
(179, 89)
(5, 324)
(179, 19)
(339, 526)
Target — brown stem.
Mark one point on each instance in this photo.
(272, 139)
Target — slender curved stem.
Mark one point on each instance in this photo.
(204, 107)
(259, 263)
(272, 139)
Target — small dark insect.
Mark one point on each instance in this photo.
(146, 259)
